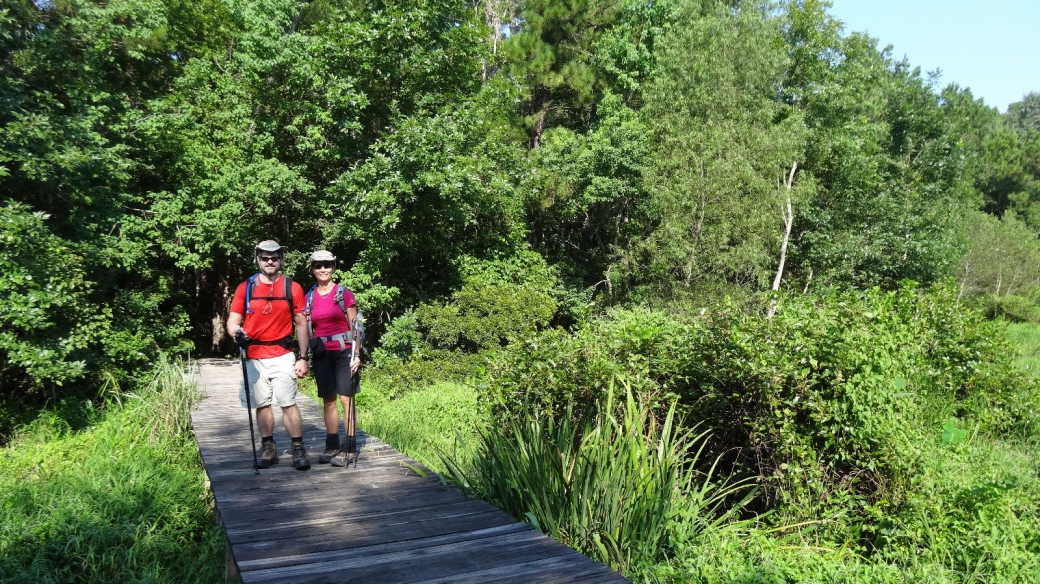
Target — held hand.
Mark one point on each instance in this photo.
(355, 364)
(241, 338)
(301, 368)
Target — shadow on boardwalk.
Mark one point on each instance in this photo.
(377, 522)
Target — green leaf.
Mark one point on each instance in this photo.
(953, 435)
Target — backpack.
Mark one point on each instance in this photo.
(251, 283)
(357, 326)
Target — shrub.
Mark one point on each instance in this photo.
(1011, 307)
(450, 340)
(823, 403)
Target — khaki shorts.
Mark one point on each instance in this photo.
(271, 379)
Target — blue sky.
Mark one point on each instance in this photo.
(991, 46)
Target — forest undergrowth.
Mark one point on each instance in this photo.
(931, 475)
(120, 500)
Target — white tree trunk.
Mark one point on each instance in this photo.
(787, 214)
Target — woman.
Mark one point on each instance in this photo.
(331, 309)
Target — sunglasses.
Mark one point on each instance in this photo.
(323, 265)
(270, 259)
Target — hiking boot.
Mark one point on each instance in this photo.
(342, 458)
(268, 455)
(328, 455)
(299, 457)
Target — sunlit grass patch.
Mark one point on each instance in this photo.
(424, 424)
(1026, 336)
(122, 501)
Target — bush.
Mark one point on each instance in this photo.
(449, 341)
(1011, 307)
(824, 404)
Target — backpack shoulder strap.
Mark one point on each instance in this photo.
(288, 296)
(310, 299)
(250, 283)
(339, 298)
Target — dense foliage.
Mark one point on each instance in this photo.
(147, 145)
(119, 502)
(829, 399)
(736, 206)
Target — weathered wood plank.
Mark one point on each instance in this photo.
(566, 568)
(438, 561)
(377, 522)
(372, 551)
(372, 534)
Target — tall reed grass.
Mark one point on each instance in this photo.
(121, 501)
(609, 486)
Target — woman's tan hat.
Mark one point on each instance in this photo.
(322, 256)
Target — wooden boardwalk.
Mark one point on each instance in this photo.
(378, 522)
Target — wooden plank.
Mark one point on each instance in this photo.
(384, 486)
(334, 507)
(320, 522)
(378, 522)
(437, 561)
(372, 551)
(566, 568)
(346, 535)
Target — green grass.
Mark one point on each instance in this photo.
(1026, 336)
(424, 423)
(973, 517)
(123, 500)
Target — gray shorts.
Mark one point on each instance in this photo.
(272, 380)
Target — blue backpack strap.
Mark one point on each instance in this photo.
(249, 291)
(251, 283)
(310, 298)
(310, 302)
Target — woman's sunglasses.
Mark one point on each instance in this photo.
(323, 265)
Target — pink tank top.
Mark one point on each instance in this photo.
(328, 319)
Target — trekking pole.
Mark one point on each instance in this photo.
(354, 352)
(249, 406)
(353, 418)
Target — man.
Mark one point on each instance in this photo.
(263, 323)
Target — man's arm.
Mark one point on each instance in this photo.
(234, 320)
(303, 335)
(303, 339)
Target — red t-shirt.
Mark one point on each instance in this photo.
(270, 319)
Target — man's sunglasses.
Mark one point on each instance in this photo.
(323, 265)
(270, 259)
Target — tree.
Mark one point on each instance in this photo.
(881, 158)
(722, 142)
(567, 54)
(1003, 257)
(1024, 115)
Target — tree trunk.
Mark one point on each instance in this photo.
(788, 217)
